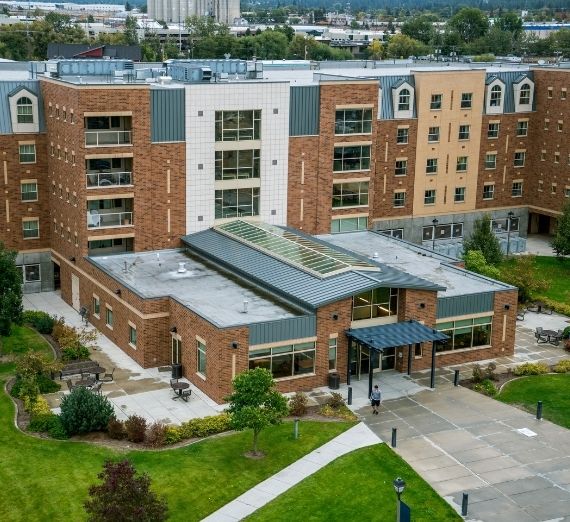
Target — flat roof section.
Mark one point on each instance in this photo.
(418, 261)
(216, 296)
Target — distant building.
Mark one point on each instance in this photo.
(224, 11)
(119, 52)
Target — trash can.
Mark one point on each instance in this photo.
(177, 371)
(334, 381)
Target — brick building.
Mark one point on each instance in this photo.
(112, 169)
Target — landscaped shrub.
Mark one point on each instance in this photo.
(477, 373)
(83, 411)
(298, 404)
(531, 369)
(557, 306)
(33, 364)
(156, 435)
(47, 385)
(27, 389)
(172, 435)
(41, 321)
(74, 353)
(135, 427)
(487, 387)
(48, 423)
(75, 343)
(36, 405)
(194, 428)
(116, 429)
(336, 401)
(340, 412)
(562, 366)
(566, 332)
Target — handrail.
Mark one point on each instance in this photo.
(111, 219)
(106, 138)
(108, 179)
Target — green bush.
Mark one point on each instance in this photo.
(172, 435)
(558, 307)
(47, 385)
(74, 353)
(340, 412)
(194, 428)
(36, 406)
(135, 427)
(48, 423)
(83, 411)
(477, 373)
(298, 404)
(562, 366)
(41, 321)
(566, 332)
(486, 387)
(116, 429)
(531, 369)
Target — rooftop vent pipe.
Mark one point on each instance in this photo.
(245, 303)
(181, 268)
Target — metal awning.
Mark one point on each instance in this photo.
(395, 334)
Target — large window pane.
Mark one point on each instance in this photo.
(238, 125)
(282, 366)
(304, 362)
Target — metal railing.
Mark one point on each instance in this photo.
(107, 138)
(112, 219)
(108, 179)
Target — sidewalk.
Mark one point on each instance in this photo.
(360, 436)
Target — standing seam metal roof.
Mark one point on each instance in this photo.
(11, 87)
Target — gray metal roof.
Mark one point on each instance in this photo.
(510, 79)
(9, 88)
(291, 283)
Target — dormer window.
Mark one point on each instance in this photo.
(496, 96)
(24, 108)
(404, 100)
(524, 96)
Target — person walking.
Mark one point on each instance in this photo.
(375, 399)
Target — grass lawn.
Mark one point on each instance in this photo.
(557, 272)
(22, 340)
(552, 390)
(358, 486)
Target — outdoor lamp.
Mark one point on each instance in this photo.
(399, 485)
(435, 222)
(510, 217)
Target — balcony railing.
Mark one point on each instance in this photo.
(112, 219)
(109, 179)
(107, 138)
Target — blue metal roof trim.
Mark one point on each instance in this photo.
(510, 79)
(395, 334)
(7, 90)
(387, 83)
(459, 305)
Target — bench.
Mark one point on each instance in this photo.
(77, 368)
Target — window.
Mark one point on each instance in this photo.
(433, 135)
(553, 188)
(351, 158)
(29, 191)
(132, 335)
(493, 130)
(24, 110)
(399, 199)
(380, 302)
(466, 100)
(540, 184)
(524, 95)
(31, 229)
(464, 131)
(353, 121)
(550, 91)
(519, 158)
(516, 190)
(238, 125)
(285, 361)
(28, 153)
(560, 126)
(563, 94)
(350, 194)
(201, 357)
(435, 103)
(109, 317)
(491, 160)
(237, 202)
(496, 96)
(546, 124)
(402, 136)
(567, 192)
(31, 273)
(431, 166)
(446, 231)
(404, 100)
(467, 333)
(429, 197)
(459, 195)
(401, 167)
(557, 157)
(350, 224)
(398, 233)
(461, 164)
(237, 164)
(332, 353)
(488, 191)
(96, 305)
(542, 155)
(522, 128)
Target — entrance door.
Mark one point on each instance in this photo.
(176, 350)
(389, 359)
(362, 358)
(75, 292)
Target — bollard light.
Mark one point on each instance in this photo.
(399, 486)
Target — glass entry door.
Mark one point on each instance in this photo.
(176, 350)
(362, 359)
(389, 359)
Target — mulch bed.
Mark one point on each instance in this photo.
(498, 381)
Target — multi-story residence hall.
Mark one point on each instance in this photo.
(231, 214)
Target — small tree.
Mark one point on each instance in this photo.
(124, 496)
(476, 262)
(561, 241)
(83, 411)
(482, 238)
(522, 274)
(255, 404)
(10, 290)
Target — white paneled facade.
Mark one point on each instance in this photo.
(202, 102)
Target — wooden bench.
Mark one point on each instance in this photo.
(77, 368)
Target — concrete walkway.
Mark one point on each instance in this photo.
(355, 438)
(513, 467)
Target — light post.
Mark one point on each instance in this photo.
(399, 485)
(435, 222)
(509, 218)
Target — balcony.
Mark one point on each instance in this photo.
(108, 131)
(109, 179)
(110, 213)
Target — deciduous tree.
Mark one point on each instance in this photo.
(10, 290)
(561, 241)
(483, 239)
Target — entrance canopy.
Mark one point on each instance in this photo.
(395, 334)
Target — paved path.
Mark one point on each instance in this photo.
(357, 437)
(460, 441)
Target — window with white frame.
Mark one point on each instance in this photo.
(459, 196)
(491, 160)
(465, 333)
(464, 132)
(493, 130)
(524, 94)
(402, 136)
(399, 199)
(96, 305)
(285, 361)
(560, 126)
(520, 157)
(435, 102)
(522, 128)
(461, 165)
(517, 189)
(488, 191)
(201, 357)
(557, 157)
(401, 168)
(353, 121)
(27, 153)
(349, 224)
(442, 231)
(31, 273)
(238, 125)
(31, 229)
(333, 346)
(546, 124)
(232, 203)
(24, 109)
(466, 100)
(431, 166)
(109, 317)
(496, 96)
(433, 134)
(351, 157)
(350, 194)
(237, 164)
(429, 197)
(29, 191)
(404, 97)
